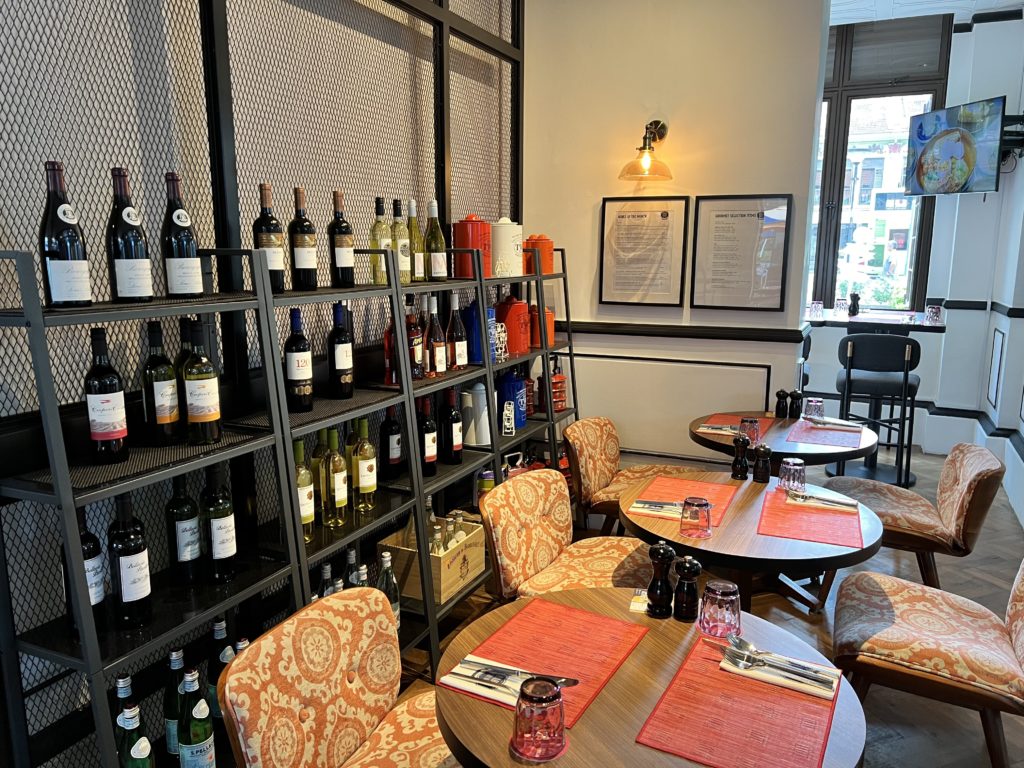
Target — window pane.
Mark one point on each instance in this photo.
(812, 241)
(830, 57)
(889, 50)
(878, 229)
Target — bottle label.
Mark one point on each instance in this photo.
(417, 264)
(340, 488)
(394, 449)
(141, 748)
(222, 537)
(184, 275)
(131, 216)
(94, 573)
(299, 365)
(396, 608)
(66, 212)
(367, 475)
(181, 218)
(417, 351)
(457, 436)
(165, 401)
(384, 243)
(107, 418)
(344, 256)
(439, 264)
(171, 735)
(430, 446)
(404, 256)
(272, 246)
(343, 357)
(440, 358)
(305, 256)
(186, 534)
(306, 507)
(198, 755)
(134, 277)
(134, 576)
(461, 353)
(203, 397)
(69, 280)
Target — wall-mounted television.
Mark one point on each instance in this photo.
(955, 150)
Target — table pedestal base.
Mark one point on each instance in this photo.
(777, 583)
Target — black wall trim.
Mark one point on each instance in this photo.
(963, 26)
(987, 18)
(1002, 309)
(940, 302)
(991, 429)
(1017, 441)
(961, 304)
(745, 333)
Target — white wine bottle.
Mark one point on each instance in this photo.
(435, 245)
(380, 239)
(367, 457)
(401, 241)
(304, 487)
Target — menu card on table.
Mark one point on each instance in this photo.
(553, 639)
(825, 525)
(665, 488)
(805, 432)
(736, 722)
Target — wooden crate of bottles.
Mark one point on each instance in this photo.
(450, 571)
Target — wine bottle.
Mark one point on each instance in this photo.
(268, 237)
(380, 239)
(436, 544)
(221, 654)
(315, 458)
(298, 367)
(458, 351)
(302, 238)
(340, 372)
(390, 360)
(436, 347)
(424, 317)
(195, 726)
(159, 390)
(428, 432)
(335, 483)
(95, 572)
(367, 457)
(352, 459)
(66, 281)
(219, 516)
(342, 241)
(123, 701)
(184, 531)
(241, 644)
(202, 392)
(364, 576)
(419, 268)
(131, 272)
(304, 488)
(326, 586)
(435, 245)
(450, 427)
(182, 267)
(390, 456)
(129, 567)
(137, 752)
(388, 584)
(415, 336)
(351, 568)
(185, 334)
(401, 240)
(172, 699)
(104, 401)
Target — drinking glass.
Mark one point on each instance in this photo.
(539, 730)
(814, 408)
(933, 314)
(695, 518)
(792, 475)
(720, 609)
(817, 310)
(842, 306)
(751, 427)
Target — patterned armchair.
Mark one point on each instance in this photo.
(931, 643)
(320, 689)
(592, 448)
(529, 521)
(970, 478)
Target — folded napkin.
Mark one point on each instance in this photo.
(837, 424)
(774, 676)
(669, 510)
(718, 429)
(499, 683)
(843, 503)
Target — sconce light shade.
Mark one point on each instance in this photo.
(645, 167)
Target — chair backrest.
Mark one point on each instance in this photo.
(596, 444)
(311, 690)
(970, 478)
(529, 521)
(879, 352)
(1015, 615)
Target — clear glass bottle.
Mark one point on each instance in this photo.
(335, 476)
(435, 245)
(367, 458)
(320, 449)
(402, 244)
(388, 584)
(436, 346)
(455, 337)
(414, 334)
(436, 545)
(380, 239)
(304, 489)
(419, 261)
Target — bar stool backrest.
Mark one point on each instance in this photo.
(880, 352)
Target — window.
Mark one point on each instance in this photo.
(866, 236)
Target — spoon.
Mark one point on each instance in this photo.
(744, 663)
(739, 657)
(748, 647)
(826, 501)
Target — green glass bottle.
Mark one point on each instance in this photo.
(437, 255)
(124, 700)
(366, 455)
(401, 240)
(184, 531)
(137, 751)
(419, 261)
(335, 483)
(380, 239)
(315, 458)
(159, 390)
(202, 392)
(172, 699)
(221, 654)
(304, 488)
(185, 335)
(195, 726)
(219, 522)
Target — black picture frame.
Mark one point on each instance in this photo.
(995, 367)
(683, 236)
(784, 199)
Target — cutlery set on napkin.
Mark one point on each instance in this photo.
(743, 658)
(490, 680)
(718, 429)
(833, 500)
(826, 422)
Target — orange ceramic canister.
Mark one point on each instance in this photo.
(515, 315)
(472, 232)
(535, 339)
(546, 247)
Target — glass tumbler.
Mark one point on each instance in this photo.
(695, 518)
(814, 408)
(751, 427)
(817, 310)
(720, 609)
(793, 475)
(539, 731)
(933, 314)
(842, 306)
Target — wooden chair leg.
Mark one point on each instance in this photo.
(861, 684)
(929, 573)
(608, 525)
(994, 738)
(823, 590)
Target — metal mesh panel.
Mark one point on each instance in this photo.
(481, 115)
(493, 15)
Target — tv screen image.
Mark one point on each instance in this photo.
(956, 149)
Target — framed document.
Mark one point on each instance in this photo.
(740, 249)
(643, 249)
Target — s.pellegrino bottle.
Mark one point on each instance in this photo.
(389, 458)
(326, 586)
(388, 584)
(66, 281)
(302, 238)
(137, 751)
(435, 246)
(123, 701)
(304, 489)
(182, 267)
(104, 400)
(159, 390)
(172, 699)
(184, 532)
(202, 392)
(95, 572)
(351, 568)
(195, 726)
(298, 367)
(219, 517)
(268, 237)
(341, 374)
(342, 242)
(221, 654)
(380, 239)
(131, 271)
(129, 567)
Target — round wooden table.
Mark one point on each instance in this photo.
(775, 438)
(478, 732)
(738, 551)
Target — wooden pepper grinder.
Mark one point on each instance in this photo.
(762, 463)
(796, 404)
(659, 591)
(740, 467)
(687, 600)
(781, 404)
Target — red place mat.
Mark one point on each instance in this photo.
(733, 420)
(667, 488)
(567, 642)
(824, 525)
(727, 721)
(805, 432)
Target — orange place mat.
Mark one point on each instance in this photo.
(561, 640)
(804, 432)
(732, 420)
(728, 721)
(824, 525)
(667, 488)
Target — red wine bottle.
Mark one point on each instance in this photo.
(302, 238)
(182, 267)
(298, 367)
(389, 457)
(450, 429)
(458, 351)
(342, 242)
(216, 509)
(104, 400)
(428, 433)
(131, 272)
(341, 374)
(184, 533)
(268, 237)
(159, 391)
(414, 334)
(129, 567)
(95, 572)
(62, 246)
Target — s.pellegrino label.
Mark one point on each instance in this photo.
(198, 755)
(171, 735)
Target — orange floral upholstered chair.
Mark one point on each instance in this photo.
(529, 521)
(970, 478)
(592, 448)
(320, 689)
(912, 637)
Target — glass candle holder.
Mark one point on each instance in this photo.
(933, 314)
(793, 475)
(539, 730)
(814, 408)
(695, 518)
(720, 609)
(751, 427)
